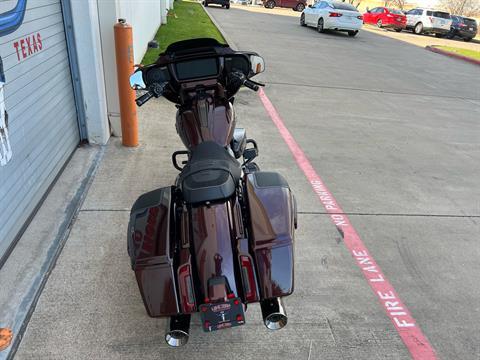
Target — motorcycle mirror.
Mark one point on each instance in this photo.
(153, 44)
(257, 64)
(136, 81)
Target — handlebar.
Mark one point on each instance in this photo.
(144, 98)
(252, 85)
(154, 90)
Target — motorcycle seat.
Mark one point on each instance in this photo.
(211, 174)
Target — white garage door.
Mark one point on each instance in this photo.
(38, 124)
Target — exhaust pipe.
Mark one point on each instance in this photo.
(178, 331)
(274, 314)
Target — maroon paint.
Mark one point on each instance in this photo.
(272, 224)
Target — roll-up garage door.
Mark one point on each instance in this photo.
(38, 121)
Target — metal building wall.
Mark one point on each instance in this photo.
(38, 97)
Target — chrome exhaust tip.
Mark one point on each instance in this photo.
(178, 332)
(176, 338)
(274, 314)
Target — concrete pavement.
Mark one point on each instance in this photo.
(397, 149)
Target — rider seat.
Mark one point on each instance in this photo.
(211, 174)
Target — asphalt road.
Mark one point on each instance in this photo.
(394, 132)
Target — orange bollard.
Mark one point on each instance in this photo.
(125, 67)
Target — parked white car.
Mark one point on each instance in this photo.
(332, 15)
(428, 21)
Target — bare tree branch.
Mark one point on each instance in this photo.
(461, 7)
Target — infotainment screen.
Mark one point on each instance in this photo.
(198, 68)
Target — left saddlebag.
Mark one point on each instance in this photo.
(151, 232)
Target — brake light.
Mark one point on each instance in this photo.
(334, 14)
(187, 294)
(248, 278)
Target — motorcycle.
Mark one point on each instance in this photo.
(222, 236)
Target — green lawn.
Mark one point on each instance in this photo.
(468, 53)
(188, 20)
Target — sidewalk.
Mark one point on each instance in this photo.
(91, 307)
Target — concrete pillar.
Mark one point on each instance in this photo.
(163, 11)
(90, 63)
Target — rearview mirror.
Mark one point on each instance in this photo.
(136, 81)
(257, 64)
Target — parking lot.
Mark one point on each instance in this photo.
(392, 130)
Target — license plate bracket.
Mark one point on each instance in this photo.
(222, 315)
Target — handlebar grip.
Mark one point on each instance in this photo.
(251, 85)
(144, 98)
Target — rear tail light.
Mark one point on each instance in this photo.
(334, 14)
(187, 294)
(360, 17)
(248, 278)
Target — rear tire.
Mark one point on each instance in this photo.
(320, 28)
(300, 7)
(467, 39)
(418, 29)
(227, 6)
(352, 33)
(302, 20)
(270, 4)
(379, 24)
(439, 36)
(398, 30)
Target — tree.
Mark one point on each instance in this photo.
(461, 7)
(395, 3)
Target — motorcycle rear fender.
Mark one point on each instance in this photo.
(214, 254)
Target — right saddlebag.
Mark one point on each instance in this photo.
(273, 220)
(150, 233)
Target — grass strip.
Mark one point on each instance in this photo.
(187, 20)
(472, 54)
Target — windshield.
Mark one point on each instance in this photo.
(395, 11)
(441, 14)
(469, 22)
(343, 6)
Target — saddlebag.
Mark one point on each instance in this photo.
(150, 236)
(272, 224)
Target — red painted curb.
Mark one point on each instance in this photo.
(451, 54)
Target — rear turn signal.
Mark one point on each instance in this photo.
(248, 278)
(186, 288)
(334, 14)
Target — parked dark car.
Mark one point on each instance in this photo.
(223, 3)
(297, 5)
(462, 27)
